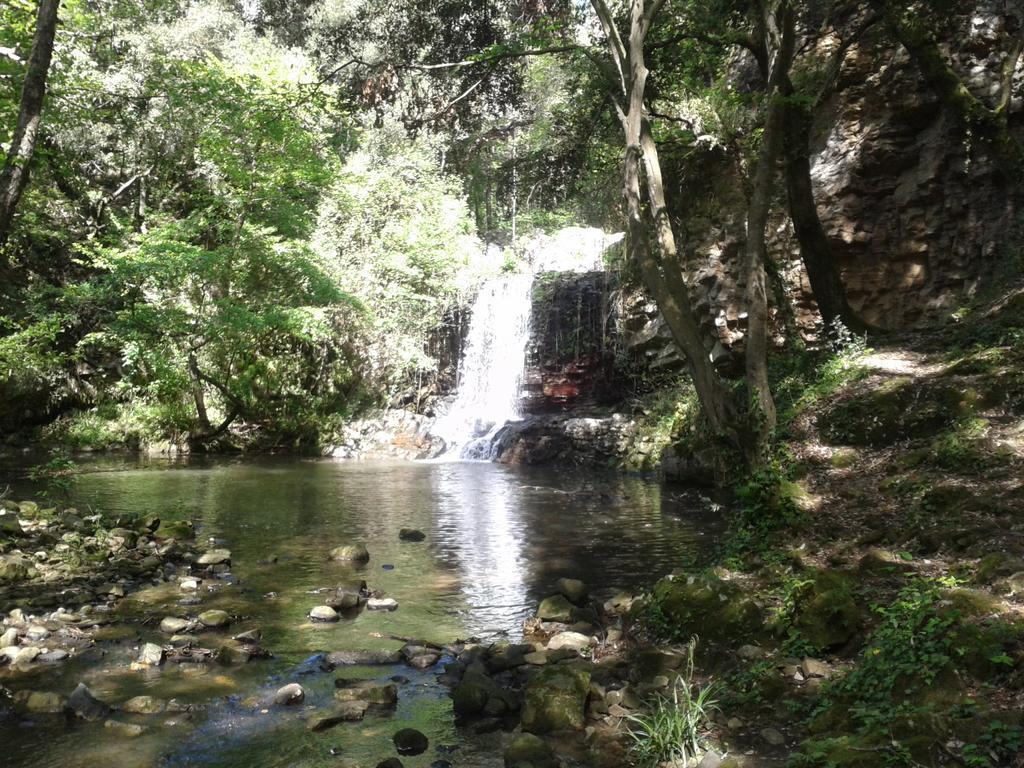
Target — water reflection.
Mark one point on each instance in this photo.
(497, 539)
(478, 518)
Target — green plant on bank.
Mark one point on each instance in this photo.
(806, 377)
(765, 506)
(998, 744)
(674, 728)
(905, 654)
(959, 448)
(58, 476)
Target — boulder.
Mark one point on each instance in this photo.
(290, 694)
(234, 652)
(529, 751)
(470, 696)
(85, 705)
(377, 694)
(152, 655)
(351, 553)
(10, 525)
(172, 625)
(825, 611)
(215, 557)
(555, 608)
(409, 741)
(176, 529)
(144, 705)
(363, 658)
(342, 712)
(13, 568)
(381, 604)
(323, 613)
(572, 640)
(556, 700)
(715, 610)
(573, 590)
(214, 619)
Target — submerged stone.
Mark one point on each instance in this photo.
(358, 658)
(343, 712)
(572, 589)
(378, 694)
(130, 730)
(215, 557)
(172, 625)
(409, 741)
(529, 751)
(85, 705)
(323, 613)
(289, 695)
(354, 553)
(411, 534)
(144, 705)
(556, 700)
(214, 619)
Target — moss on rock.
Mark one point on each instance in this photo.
(556, 700)
(826, 613)
(715, 610)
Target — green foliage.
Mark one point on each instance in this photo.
(998, 744)
(396, 233)
(674, 727)
(960, 448)
(905, 654)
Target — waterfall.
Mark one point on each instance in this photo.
(491, 370)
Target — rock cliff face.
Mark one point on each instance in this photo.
(916, 211)
(571, 359)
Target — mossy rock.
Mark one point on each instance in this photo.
(529, 751)
(555, 608)
(715, 610)
(351, 553)
(900, 409)
(182, 530)
(883, 561)
(556, 700)
(984, 648)
(13, 568)
(843, 458)
(826, 613)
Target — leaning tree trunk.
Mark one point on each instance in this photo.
(815, 249)
(14, 176)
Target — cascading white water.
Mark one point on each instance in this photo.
(491, 370)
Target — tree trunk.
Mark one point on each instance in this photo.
(815, 250)
(762, 415)
(14, 176)
(663, 277)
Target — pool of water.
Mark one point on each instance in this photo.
(497, 539)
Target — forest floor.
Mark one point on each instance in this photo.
(881, 623)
